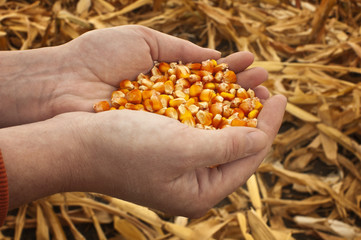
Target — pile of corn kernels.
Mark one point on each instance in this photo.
(202, 95)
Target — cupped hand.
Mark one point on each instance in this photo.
(100, 59)
(161, 163)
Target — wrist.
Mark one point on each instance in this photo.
(27, 83)
(39, 158)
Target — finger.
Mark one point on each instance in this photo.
(228, 177)
(253, 77)
(262, 92)
(208, 148)
(238, 61)
(168, 48)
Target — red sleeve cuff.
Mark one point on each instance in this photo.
(4, 192)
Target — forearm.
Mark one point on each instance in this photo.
(38, 159)
(27, 81)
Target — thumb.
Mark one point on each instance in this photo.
(226, 145)
(168, 48)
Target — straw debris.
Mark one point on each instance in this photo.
(308, 186)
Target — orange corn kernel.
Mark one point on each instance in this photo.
(246, 105)
(242, 93)
(155, 102)
(117, 98)
(195, 90)
(127, 84)
(146, 94)
(147, 105)
(208, 66)
(229, 77)
(252, 122)
(207, 95)
(101, 106)
(163, 67)
(238, 122)
(239, 111)
(194, 66)
(216, 108)
(134, 96)
(182, 71)
(220, 67)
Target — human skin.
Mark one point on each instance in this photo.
(52, 142)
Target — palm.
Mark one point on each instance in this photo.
(110, 55)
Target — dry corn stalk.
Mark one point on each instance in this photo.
(203, 95)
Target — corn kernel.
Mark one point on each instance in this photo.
(101, 106)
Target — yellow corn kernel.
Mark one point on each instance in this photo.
(171, 112)
(253, 114)
(176, 102)
(210, 85)
(193, 108)
(189, 121)
(113, 108)
(252, 122)
(191, 101)
(227, 96)
(216, 121)
(194, 78)
(164, 99)
(258, 105)
(184, 112)
(204, 118)
(195, 90)
(146, 82)
(159, 87)
(227, 111)
(169, 87)
(218, 77)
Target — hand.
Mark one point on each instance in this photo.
(158, 162)
(72, 77)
